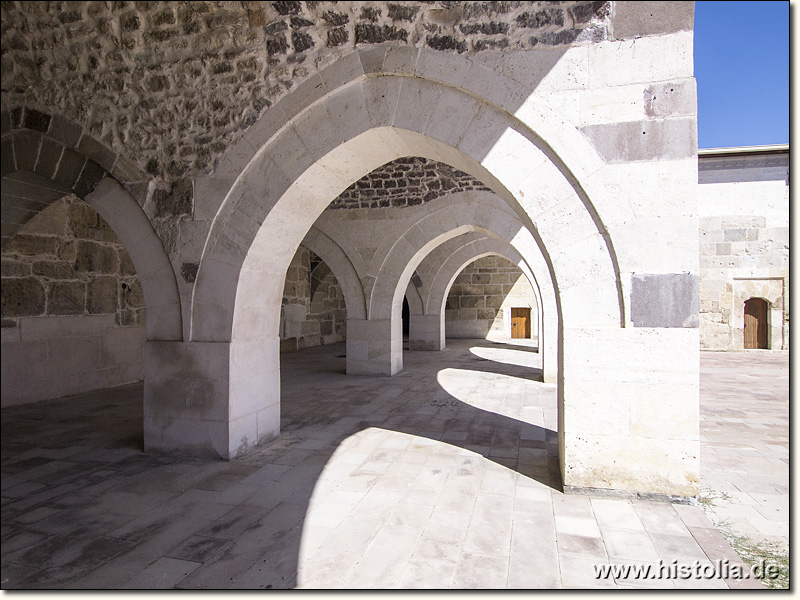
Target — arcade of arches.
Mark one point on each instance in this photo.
(551, 157)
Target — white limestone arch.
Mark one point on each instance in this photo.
(424, 242)
(546, 311)
(153, 268)
(466, 131)
(440, 268)
(309, 152)
(342, 268)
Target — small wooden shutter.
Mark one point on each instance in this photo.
(755, 324)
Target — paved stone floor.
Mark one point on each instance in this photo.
(745, 443)
(444, 476)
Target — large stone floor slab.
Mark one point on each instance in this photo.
(444, 476)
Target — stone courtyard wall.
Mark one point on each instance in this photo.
(72, 307)
(744, 244)
(313, 308)
(479, 302)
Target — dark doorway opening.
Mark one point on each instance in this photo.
(406, 318)
(756, 324)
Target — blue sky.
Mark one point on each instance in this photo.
(741, 62)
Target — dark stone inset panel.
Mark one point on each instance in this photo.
(665, 300)
(668, 139)
(635, 19)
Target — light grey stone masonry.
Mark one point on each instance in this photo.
(744, 242)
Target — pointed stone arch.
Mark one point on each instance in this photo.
(291, 164)
(47, 157)
(362, 113)
(340, 264)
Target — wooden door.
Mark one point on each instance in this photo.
(520, 322)
(756, 324)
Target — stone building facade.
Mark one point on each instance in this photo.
(743, 203)
(212, 137)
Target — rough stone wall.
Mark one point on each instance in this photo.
(67, 261)
(172, 85)
(72, 307)
(480, 299)
(744, 245)
(313, 308)
(409, 181)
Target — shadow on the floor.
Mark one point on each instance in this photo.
(84, 507)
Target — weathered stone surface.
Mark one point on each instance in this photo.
(583, 13)
(407, 181)
(241, 58)
(132, 294)
(69, 168)
(54, 269)
(542, 18)
(26, 149)
(81, 219)
(95, 258)
(337, 36)
(400, 12)
(22, 297)
(189, 272)
(49, 155)
(8, 164)
(302, 41)
(174, 203)
(36, 120)
(13, 268)
(644, 140)
(446, 42)
(634, 19)
(90, 176)
(665, 300)
(102, 296)
(67, 298)
(367, 33)
(69, 243)
(336, 18)
(31, 245)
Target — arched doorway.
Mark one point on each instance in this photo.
(756, 324)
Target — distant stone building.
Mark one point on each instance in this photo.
(743, 204)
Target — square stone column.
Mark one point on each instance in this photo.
(211, 399)
(374, 347)
(629, 415)
(426, 332)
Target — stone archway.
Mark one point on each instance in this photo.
(340, 264)
(47, 164)
(49, 160)
(290, 169)
(475, 247)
